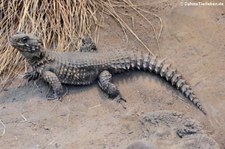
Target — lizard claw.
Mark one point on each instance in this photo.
(27, 76)
(120, 99)
(33, 75)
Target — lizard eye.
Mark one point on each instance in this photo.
(24, 39)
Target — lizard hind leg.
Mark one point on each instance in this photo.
(88, 45)
(105, 83)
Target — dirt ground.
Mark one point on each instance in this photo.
(156, 115)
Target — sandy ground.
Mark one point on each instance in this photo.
(156, 115)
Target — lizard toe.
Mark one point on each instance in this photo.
(120, 100)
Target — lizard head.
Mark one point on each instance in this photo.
(25, 42)
(29, 45)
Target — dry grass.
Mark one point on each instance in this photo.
(60, 23)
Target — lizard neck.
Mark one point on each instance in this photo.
(39, 58)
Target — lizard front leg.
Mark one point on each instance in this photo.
(53, 80)
(104, 81)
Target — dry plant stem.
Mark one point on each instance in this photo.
(123, 24)
(4, 128)
(25, 119)
(160, 19)
(137, 10)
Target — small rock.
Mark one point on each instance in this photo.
(5, 89)
(57, 145)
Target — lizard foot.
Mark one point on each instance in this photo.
(56, 95)
(120, 100)
(33, 75)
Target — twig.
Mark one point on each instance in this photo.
(25, 120)
(95, 106)
(4, 128)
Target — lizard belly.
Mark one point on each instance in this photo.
(77, 76)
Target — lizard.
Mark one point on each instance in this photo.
(85, 67)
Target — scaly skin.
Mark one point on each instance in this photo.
(83, 68)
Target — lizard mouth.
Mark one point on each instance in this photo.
(14, 43)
